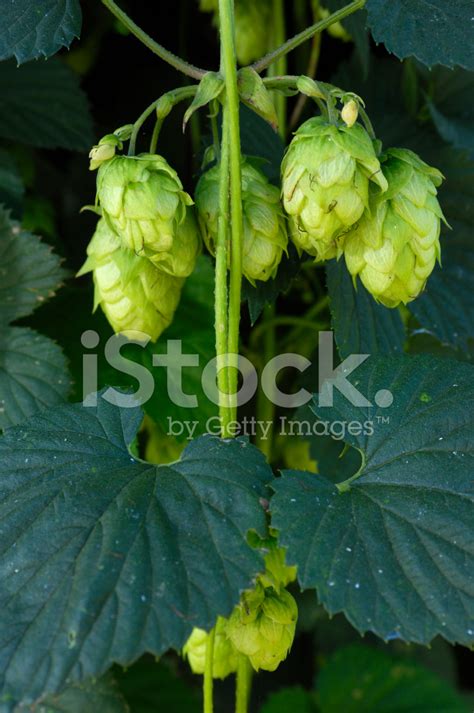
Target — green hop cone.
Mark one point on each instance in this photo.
(265, 237)
(394, 248)
(252, 22)
(133, 293)
(263, 626)
(143, 201)
(225, 656)
(277, 573)
(325, 184)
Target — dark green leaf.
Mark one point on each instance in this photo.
(11, 185)
(89, 696)
(41, 104)
(289, 699)
(361, 326)
(434, 31)
(394, 551)
(33, 375)
(29, 270)
(29, 29)
(358, 679)
(104, 557)
(259, 139)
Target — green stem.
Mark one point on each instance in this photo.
(310, 72)
(281, 65)
(367, 123)
(297, 40)
(176, 62)
(208, 677)
(154, 136)
(231, 109)
(242, 689)
(221, 296)
(265, 405)
(174, 97)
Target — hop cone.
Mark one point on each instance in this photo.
(263, 626)
(225, 656)
(143, 201)
(252, 21)
(132, 292)
(265, 236)
(394, 248)
(325, 175)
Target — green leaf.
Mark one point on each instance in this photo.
(361, 326)
(90, 695)
(11, 185)
(451, 106)
(209, 88)
(256, 96)
(33, 374)
(393, 550)
(358, 679)
(41, 104)
(289, 699)
(29, 270)
(433, 31)
(257, 138)
(29, 30)
(104, 557)
(151, 686)
(33, 370)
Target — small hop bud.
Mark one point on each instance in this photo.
(326, 173)
(394, 248)
(225, 656)
(350, 112)
(265, 237)
(133, 293)
(104, 150)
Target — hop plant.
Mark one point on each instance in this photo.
(325, 184)
(263, 625)
(133, 293)
(252, 20)
(225, 656)
(143, 201)
(265, 237)
(394, 248)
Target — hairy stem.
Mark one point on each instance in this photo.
(176, 62)
(231, 114)
(242, 689)
(297, 40)
(208, 678)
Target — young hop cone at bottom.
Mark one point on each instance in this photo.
(326, 173)
(395, 246)
(132, 292)
(265, 237)
(142, 200)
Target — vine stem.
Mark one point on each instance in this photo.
(298, 39)
(242, 689)
(189, 69)
(231, 115)
(208, 677)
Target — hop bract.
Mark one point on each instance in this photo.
(325, 184)
(265, 237)
(263, 626)
(394, 248)
(143, 201)
(225, 656)
(132, 292)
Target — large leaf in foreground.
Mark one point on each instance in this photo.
(103, 557)
(394, 550)
(29, 29)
